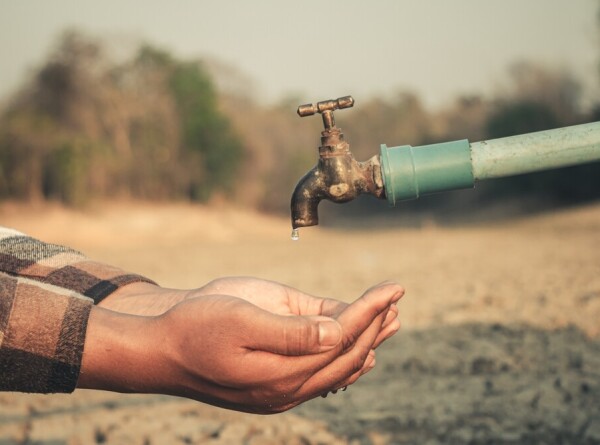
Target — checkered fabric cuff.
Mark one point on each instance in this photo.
(23, 256)
(46, 294)
(42, 332)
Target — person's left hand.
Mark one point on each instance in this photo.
(149, 299)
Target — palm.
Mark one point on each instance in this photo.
(271, 296)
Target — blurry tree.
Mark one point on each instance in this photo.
(48, 123)
(554, 89)
(280, 148)
(155, 127)
(595, 113)
(86, 127)
(399, 120)
(522, 116)
(465, 118)
(206, 133)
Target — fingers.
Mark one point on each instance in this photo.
(375, 301)
(330, 353)
(390, 326)
(331, 307)
(391, 316)
(367, 366)
(311, 332)
(293, 335)
(346, 367)
(305, 304)
(362, 324)
(386, 333)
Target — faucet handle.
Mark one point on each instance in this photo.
(326, 108)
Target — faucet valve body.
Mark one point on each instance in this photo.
(337, 177)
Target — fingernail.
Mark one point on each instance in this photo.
(370, 361)
(391, 334)
(398, 295)
(390, 316)
(330, 333)
(372, 364)
(368, 367)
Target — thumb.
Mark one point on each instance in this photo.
(295, 335)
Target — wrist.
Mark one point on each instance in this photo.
(142, 298)
(119, 353)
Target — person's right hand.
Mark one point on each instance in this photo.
(151, 299)
(285, 300)
(227, 351)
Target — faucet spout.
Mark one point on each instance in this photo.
(305, 200)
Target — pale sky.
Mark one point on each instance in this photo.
(321, 49)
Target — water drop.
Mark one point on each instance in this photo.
(295, 235)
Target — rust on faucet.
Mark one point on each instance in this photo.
(337, 176)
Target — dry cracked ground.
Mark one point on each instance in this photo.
(500, 339)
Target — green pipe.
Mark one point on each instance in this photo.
(409, 172)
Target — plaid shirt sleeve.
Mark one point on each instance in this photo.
(46, 295)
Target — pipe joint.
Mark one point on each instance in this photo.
(409, 172)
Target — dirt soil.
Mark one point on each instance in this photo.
(500, 341)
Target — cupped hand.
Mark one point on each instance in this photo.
(267, 347)
(150, 299)
(285, 300)
(241, 343)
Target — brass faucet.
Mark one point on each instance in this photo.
(337, 176)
